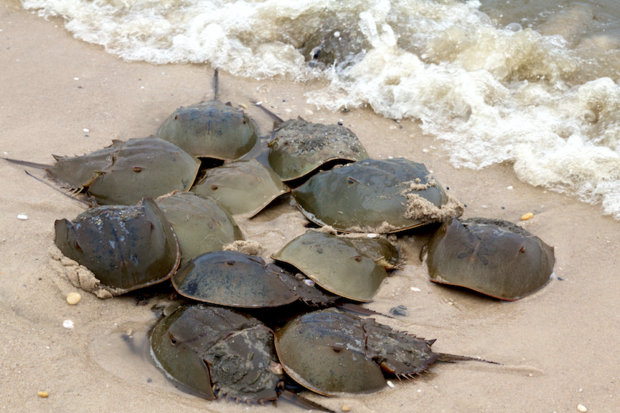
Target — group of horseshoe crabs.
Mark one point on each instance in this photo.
(156, 216)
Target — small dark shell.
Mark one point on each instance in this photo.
(206, 347)
(210, 130)
(375, 196)
(200, 224)
(125, 247)
(493, 257)
(242, 187)
(339, 354)
(347, 267)
(235, 279)
(142, 168)
(300, 147)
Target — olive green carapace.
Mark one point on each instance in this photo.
(493, 257)
(146, 167)
(235, 279)
(242, 187)
(338, 264)
(200, 224)
(210, 130)
(125, 247)
(374, 196)
(208, 348)
(300, 147)
(339, 354)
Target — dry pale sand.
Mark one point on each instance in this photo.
(558, 348)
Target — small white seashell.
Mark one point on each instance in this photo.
(582, 408)
(309, 282)
(85, 130)
(76, 78)
(258, 103)
(22, 216)
(390, 384)
(372, 235)
(509, 187)
(67, 324)
(415, 289)
(336, 34)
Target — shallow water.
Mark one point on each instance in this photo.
(533, 83)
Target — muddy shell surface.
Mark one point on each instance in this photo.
(490, 256)
(146, 167)
(339, 354)
(125, 247)
(235, 279)
(347, 267)
(207, 347)
(242, 187)
(300, 147)
(200, 224)
(210, 130)
(373, 195)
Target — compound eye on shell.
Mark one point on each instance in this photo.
(214, 187)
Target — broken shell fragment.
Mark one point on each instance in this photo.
(490, 256)
(299, 147)
(200, 224)
(125, 247)
(350, 267)
(242, 187)
(377, 196)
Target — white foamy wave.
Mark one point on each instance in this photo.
(544, 98)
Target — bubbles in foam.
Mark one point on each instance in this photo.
(536, 87)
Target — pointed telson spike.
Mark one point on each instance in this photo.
(276, 119)
(56, 189)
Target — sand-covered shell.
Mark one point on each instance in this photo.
(235, 279)
(207, 348)
(299, 147)
(210, 129)
(490, 256)
(350, 267)
(338, 354)
(125, 247)
(200, 224)
(242, 187)
(373, 195)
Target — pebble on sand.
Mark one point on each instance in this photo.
(527, 216)
(582, 408)
(22, 216)
(73, 298)
(43, 394)
(345, 408)
(67, 324)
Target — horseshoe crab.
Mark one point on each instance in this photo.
(349, 267)
(210, 129)
(125, 172)
(299, 147)
(384, 196)
(338, 354)
(199, 223)
(491, 256)
(220, 352)
(235, 279)
(243, 187)
(125, 247)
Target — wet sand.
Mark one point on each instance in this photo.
(558, 347)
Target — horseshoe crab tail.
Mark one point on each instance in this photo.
(216, 85)
(303, 402)
(56, 189)
(28, 164)
(453, 358)
(276, 119)
(354, 308)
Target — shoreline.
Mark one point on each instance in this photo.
(551, 344)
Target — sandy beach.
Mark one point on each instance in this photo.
(557, 348)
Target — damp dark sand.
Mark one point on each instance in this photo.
(558, 347)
